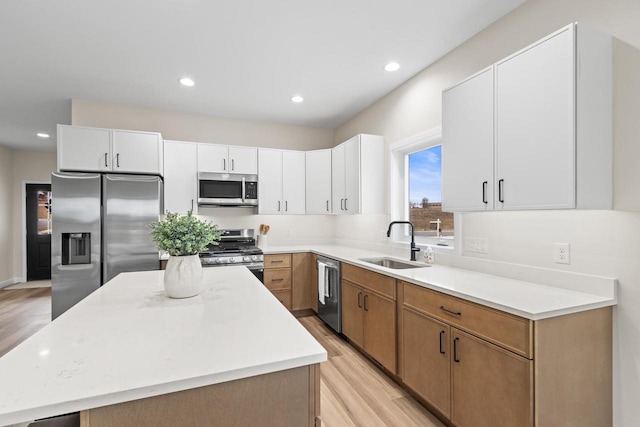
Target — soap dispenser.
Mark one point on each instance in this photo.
(429, 255)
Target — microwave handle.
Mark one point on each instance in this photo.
(243, 189)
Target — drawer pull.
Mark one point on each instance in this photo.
(455, 350)
(275, 261)
(441, 335)
(277, 280)
(446, 310)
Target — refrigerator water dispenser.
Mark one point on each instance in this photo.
(76, 248)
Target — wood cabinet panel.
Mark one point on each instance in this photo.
(379, 283)
(302, 270)
(380, 329)
(352, 314)
(284, 296)
(277, 261)
(277, 278)
(490, 386)
(426, 354)
(512, 332)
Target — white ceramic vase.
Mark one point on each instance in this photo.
(183, 276)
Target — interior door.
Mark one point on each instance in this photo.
(38, 212)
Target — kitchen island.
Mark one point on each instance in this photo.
(128, 355)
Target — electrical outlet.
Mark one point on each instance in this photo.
(561, 253)
(476, 244)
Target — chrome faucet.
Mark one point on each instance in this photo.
(414, 249)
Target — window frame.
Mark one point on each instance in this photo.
(399, 191)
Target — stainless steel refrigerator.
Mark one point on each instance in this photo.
(100, 229)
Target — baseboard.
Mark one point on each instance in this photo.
(9, 282)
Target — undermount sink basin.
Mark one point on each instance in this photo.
(393, 263)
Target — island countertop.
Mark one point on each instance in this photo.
(128, 341)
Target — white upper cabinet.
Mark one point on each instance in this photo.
(552, 120)
(281, 181)
(293, 182)
(357, 175)
(84, 149)
(467, 150)
(180, 177)
(535, 126)
(269, 181)
(243, 160)
(338, 184)
(227, 159)
(318, 182)
(107, 150)
(137, 152)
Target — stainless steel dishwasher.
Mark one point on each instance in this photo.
(330, 292)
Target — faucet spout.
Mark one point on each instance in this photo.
(414, 248)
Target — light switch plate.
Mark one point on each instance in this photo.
(561, 253)
(478, 245)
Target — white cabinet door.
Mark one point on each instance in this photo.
(293, 182)
(535, 126)
(318, 182)
(352, 176)
(338, 185)
(213, 158)
(84, 149)
(467, 144)
(270, 181)
(180, 176)
(136, 152)
(243, 160)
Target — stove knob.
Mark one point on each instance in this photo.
(254, 258)
(246, 258)
(230, 260)
(216, 260)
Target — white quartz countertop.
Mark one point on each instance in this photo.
(128, 341)
(523, 298)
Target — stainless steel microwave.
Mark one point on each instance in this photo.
(227, 189)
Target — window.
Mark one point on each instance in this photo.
(425, 195)
(416, 191)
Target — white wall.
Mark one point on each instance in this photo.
(6, 216)
(199, 128)
(602, 242)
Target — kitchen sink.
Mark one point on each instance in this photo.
(393, 263)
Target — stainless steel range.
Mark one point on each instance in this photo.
(236, 247)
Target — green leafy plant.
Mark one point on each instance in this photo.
(180, 235)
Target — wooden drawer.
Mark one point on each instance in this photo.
(375, 282)
(277, 278)
(284, 297)
(511, 332)
(277, 261)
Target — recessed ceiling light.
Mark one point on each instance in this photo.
(186, 81)
(42, 135)
(297, 99)
(392, 66)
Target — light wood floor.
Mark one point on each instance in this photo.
(353, 391)
(22, 313)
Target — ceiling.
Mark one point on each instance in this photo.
(247, 57)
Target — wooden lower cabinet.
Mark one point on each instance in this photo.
(352, 313)
(427, 359)
(302, 272)
(478, 366)
(491, 386)
(284, 398)
(369, 321)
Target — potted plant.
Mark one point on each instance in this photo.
(182, 237)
